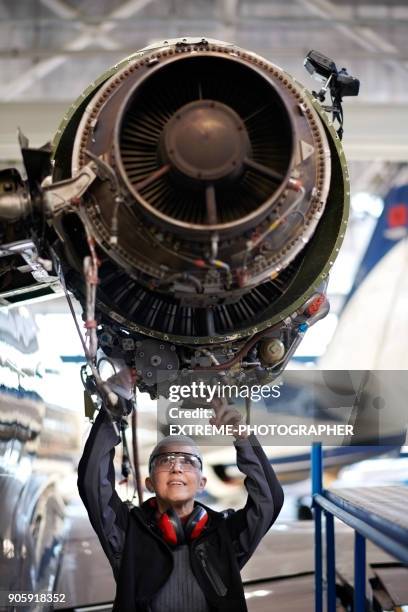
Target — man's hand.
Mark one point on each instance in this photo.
(123, 382)
(121, 385)
(226, 415)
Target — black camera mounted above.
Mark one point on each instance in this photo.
(338, 82)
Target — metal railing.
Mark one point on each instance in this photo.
(381, 531)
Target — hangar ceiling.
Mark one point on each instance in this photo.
(50, 50)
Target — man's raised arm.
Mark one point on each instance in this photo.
(265, 499)
(265, 495)
(96, 484)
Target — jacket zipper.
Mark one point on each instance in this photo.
(214, 578)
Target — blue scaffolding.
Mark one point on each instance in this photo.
(378, 514)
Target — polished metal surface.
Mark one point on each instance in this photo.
(84, 575)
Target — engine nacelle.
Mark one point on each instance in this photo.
(211, 191)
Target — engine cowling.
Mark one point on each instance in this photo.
(216, 192)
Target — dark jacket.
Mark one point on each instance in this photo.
(142, 561)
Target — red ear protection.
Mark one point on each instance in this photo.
(195, 523)
(174, 531)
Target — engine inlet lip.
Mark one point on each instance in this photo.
(205, 231)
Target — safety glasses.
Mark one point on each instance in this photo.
(164, 462)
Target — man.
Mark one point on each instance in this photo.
(174, 554)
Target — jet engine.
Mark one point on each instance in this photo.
(196, 200)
